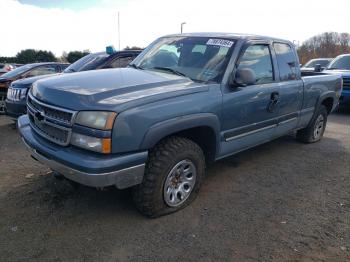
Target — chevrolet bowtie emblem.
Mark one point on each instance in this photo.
(39, 116)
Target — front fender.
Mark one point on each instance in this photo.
(166, 128)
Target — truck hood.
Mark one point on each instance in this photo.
(111, 89)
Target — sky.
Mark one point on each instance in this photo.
(66, 25)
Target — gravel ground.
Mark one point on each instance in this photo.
(282, 201)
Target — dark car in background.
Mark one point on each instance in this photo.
(26, 71)
(318, 64)
(16, 98)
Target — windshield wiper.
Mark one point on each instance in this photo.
(169, 70)
(71, 70)
(332, 68)
(135, 66)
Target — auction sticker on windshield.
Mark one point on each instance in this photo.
(220, 42)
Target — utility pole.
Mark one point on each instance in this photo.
(182, 24)
(118, 32)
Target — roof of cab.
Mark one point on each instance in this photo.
(46, 63)
(229, 35)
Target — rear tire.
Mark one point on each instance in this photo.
(315, 129)
(173, 176)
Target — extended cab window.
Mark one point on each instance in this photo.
(257, 58)
(286, 61)
(121, 62)
(43, 70)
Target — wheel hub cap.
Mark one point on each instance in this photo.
(179, 183)
(318, 129)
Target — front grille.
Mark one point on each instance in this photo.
(14, 94)
(346, 83)
(55, 134)
(50, 122)
(60, 115)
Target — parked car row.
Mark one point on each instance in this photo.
(316, 65)
(339, 66)
(18, 90)
(26, 71)
(187, 100)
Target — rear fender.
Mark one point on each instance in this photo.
(324, 96)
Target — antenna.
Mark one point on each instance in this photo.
(118, 32)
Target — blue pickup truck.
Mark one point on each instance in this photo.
(185, 101)
(341, 66)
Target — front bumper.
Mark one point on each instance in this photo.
(3, 95)
(87, 168)
(15, 109)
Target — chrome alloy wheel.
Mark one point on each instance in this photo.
(179, 183)
(318, 128)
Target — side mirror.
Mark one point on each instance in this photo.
(243, 77)
(318, 68)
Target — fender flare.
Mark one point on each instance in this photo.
(329, 94)
(171, 126)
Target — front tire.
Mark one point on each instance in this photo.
(173, 176)
(315, 129)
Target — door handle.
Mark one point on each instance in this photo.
(275, 96)
(274, 100)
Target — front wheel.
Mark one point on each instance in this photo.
(173, 176)
(315, 129)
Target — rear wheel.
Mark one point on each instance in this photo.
(173, 176)
(315, 129)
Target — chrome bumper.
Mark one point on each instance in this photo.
(123, 178)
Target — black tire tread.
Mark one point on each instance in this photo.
(159, 157)
(305, 135)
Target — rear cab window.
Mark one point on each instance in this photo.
(287, 62)
(120, 62)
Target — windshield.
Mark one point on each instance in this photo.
(89, 62)
(17, 71)
(342, 62)
(313, 63)
(199, 58)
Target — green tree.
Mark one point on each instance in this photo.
(45, 56)
(33, 56)
(133, 48)
(4, 59)
(75, 55)
(26, 56)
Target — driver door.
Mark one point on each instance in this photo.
(250, 112)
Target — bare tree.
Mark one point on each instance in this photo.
(328, 44)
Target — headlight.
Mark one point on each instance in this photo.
(96, 119)
(101, 145)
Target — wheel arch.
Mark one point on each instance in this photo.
(328, 100)
(203, 129)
